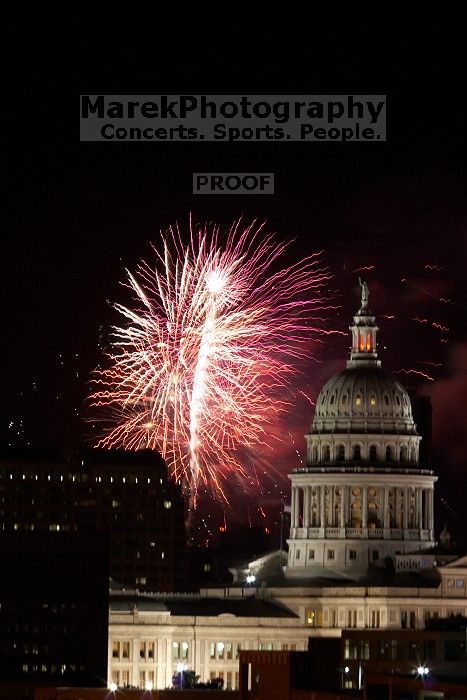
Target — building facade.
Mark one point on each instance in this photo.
(149, 636)
(124, 495)
(363, 495)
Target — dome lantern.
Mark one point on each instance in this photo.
(364, 329)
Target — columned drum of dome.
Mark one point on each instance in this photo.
(363, 495)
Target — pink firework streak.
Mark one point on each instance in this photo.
(208, 352)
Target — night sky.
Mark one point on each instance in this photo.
(80, 213)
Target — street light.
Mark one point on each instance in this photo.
(423, 671)
(148, 685)
(113, 687)
(250, 579)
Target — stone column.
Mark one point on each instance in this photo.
(406, 509)
(134, 658)
(365, 506)
(430, 501)
(306, 507)
(321, 506)
(419, 509)
(168, 665)
(386, 523)
(342, 508)
(294, 506)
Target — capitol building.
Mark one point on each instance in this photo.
(361, 547)
(363, 495)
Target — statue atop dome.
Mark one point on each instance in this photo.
(365, 295)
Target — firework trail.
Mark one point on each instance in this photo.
(204, 363)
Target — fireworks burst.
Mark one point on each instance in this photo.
(202, 368)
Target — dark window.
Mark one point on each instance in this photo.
(454, 650)
(429, 650)
(352, 554)
(373, 453)
(357, 452)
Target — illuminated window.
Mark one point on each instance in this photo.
(167, 504)
(351, 618)
(220, 650)
(176, 650)
(125, 650)
(126, 677)
(350, 649)
(229, 650)
(373, 400)
(358, 401)
(364, 649)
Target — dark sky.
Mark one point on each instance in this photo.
(78, 214)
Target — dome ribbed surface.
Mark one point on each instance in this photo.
(367, 393)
